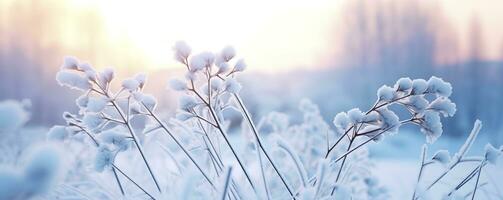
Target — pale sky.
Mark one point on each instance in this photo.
(270, 35)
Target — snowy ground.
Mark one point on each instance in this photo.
(397, 165)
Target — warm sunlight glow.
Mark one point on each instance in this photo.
(264, 27)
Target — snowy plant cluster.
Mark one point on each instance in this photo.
(120, 147)
(26, 170)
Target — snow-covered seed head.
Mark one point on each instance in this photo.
(106, 76)
(385, 93)
(355, 115)
(116, 137)
(240, 65)
(444, 106)
(389, 119)
(149, 101)
(419, 86)
(104, 158)
(403, 84)
(57, 133)
(187, 102)
(178, 85)
(85, 66)
(182, 51)
(431, 126)
(417, 103)
(73, 80)
(201, 61)
(96, 104)
(492, 153)
(70, 62)
(440, 87)
(227, 53)
(216, 84)
(341, 121)
(232, 86)
(222, 67)
(141, 78)
(92, 120)
(130, 84)
(442, 156)
(183, 116)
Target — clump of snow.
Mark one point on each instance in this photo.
(240, 66)
(385, 93)
(58, 133)
(13, 115)
(73, 80)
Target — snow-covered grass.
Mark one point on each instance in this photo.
(118, 146)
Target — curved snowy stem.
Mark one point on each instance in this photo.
(301, 171)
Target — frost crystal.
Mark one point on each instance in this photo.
(73, 80)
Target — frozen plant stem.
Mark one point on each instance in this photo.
(244, 112)
(135, 140)
(423, 158)
(477, 182)
(129, 178)
(114, 167)
(163, 126)
(224, 135)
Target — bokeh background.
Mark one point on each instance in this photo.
(336, 53)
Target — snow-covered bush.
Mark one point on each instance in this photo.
(194, 155)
